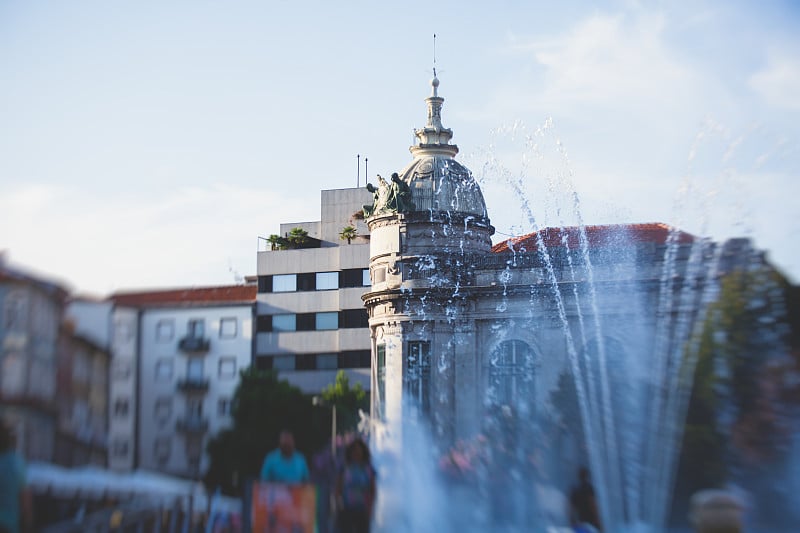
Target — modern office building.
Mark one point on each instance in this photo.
(177, 355)
(311, 321)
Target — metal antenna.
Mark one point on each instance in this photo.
(366, 167)
(434, 55)
(358, 170)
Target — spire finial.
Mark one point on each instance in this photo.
(434, 55)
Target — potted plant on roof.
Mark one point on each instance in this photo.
(276, 242)
(348, 233)
(297, 237)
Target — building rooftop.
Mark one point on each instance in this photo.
(185, 297)
(601, 236)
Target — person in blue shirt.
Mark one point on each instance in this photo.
(285, 464)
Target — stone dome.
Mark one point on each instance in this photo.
(440, 183)
(437, 181)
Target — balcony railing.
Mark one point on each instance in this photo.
(192, 424)
(194, 344)
(193, 384)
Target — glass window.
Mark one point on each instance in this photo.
(327, 320)
(165, 329)
(14, 320)
(418, 373)
(121, 406)
(194, 369)
(122, 331)
(283, 362)
(380, 356)
(327, 361)
(224, 407)
(327, 281)
(227, 367)
(227, 328)
(365, 279)
(284, 322)
(164, 370)
(284, 283)
(196, 328)
(163, 409)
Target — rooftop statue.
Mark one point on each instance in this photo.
(394, 198)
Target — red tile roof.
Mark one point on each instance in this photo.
(606, 236)
(188, 296)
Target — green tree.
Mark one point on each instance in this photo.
(277, 242)
(348, 233)
(263, 406)
(734, 420)
(348, 401)
(297, 237)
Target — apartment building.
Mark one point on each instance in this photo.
(177, 355)
(310, 319)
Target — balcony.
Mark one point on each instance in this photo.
(192, 424)
(194, 345)
(193, 385)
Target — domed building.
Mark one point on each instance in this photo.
(462, 330)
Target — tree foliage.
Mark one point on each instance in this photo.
(297, 238)
(263, 406)
(736, 416)
(348, 233)
(348, 401)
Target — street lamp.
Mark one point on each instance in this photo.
(319, 401)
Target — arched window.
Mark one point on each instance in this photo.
(511, 374)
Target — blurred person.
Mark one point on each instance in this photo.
(583, 505)
(355, 489)
(15, 498)
(285, 464)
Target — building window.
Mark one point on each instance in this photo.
(353, 318)
(380, 364)
(284, 322)
(263, 323)
(164, 370)
(305, 361)
(227, 367)
(162, 448)
(163, 409)
(119, 447)
(327, 321)
(224, 407)
(365, 279)
(418, 373)
(510, 373)
(121, 407)
(264, 284)
(121, 370)
(284, 283)
(327, 361)
(307, 281)
(165, 330)
(327, 281)
(122, 331)
(14, 312)
(283, 362)
(194, 369)
(227, 328)
(194, 408)
(355, 359)
(196, 328)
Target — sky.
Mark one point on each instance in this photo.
(149, 144)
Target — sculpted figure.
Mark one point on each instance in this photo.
(382, 196)
(402, 195)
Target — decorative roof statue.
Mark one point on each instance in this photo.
(394, 198)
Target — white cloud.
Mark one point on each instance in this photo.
(191, 236)
(778, 83)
